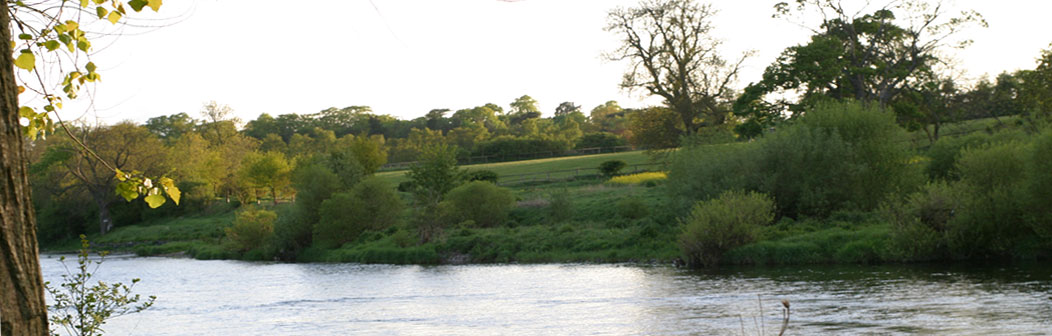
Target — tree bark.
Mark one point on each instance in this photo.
(105, 219)
(22, 307)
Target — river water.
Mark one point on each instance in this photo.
(251, 298)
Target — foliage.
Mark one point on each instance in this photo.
(510, 148)
(54, 35)
(866, 56)
(611, 168)
(370, 205)
(435, 174)
(716, 226)
(252, 227)
(632, 208)
(639, 178)
(560, 208)
(599, 140)
(855, 149)
(1040, 185)
(266, 170)
(481, 175)
(920, 222)
(674, 56)
(484, 203)
(82, 308)
(994, 215)
(700, 173)
(655, 128)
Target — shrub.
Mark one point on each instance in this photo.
(945, 152)
(611, 168)
(292, 233)
(1040, 185)
(482, 175)
(716, 226)
(838, 156)
(482, 202)
(435, 174)
(600, 140)
(704, 172)
(639, 178)
(251, 228)
(632, 208)
(919, 223)
(560, 208)
(370, 205)
(993, 216)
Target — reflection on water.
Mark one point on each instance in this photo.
(242, 298)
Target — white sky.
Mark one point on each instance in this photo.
(405, 57)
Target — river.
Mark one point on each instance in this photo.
(251, 298)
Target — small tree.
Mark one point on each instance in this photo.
(370, 205)
(432, 177)
(611, 168)
(716, 226)
(267, 170)
(82, 308)
(482, 202)
(251, 228)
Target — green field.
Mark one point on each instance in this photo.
(586, 163)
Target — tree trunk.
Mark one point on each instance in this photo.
(105, 219)
(22, 307)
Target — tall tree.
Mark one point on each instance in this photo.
(673, 55)
(522, 109)
(124, 146)
(868, 57)
(269, 171)
(22, 307)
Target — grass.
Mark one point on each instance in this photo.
(503, 169)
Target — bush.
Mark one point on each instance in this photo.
(251, 228)
(632, 208)
(611, 168)
(838, 156)
(994, 213)
(600, 140)
(1040, 185)
(945, 152)
(370, 205)
(482, 175)
(560, 208)
(919, 223)
(482, 202)
(704, 172)
(716, 226)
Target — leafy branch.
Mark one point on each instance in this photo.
(45, 32)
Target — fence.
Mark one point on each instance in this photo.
(517, 157)
(569, 174)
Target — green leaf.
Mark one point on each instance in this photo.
(155, 5)
(101, 11)
(170, 189)
(137, 5)
(114, 17)
(90, 67)
(25, 37)
(52, 45)
(127, 190)
(83, 3)
(26, 112)
(26, 60)
(154, 200)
